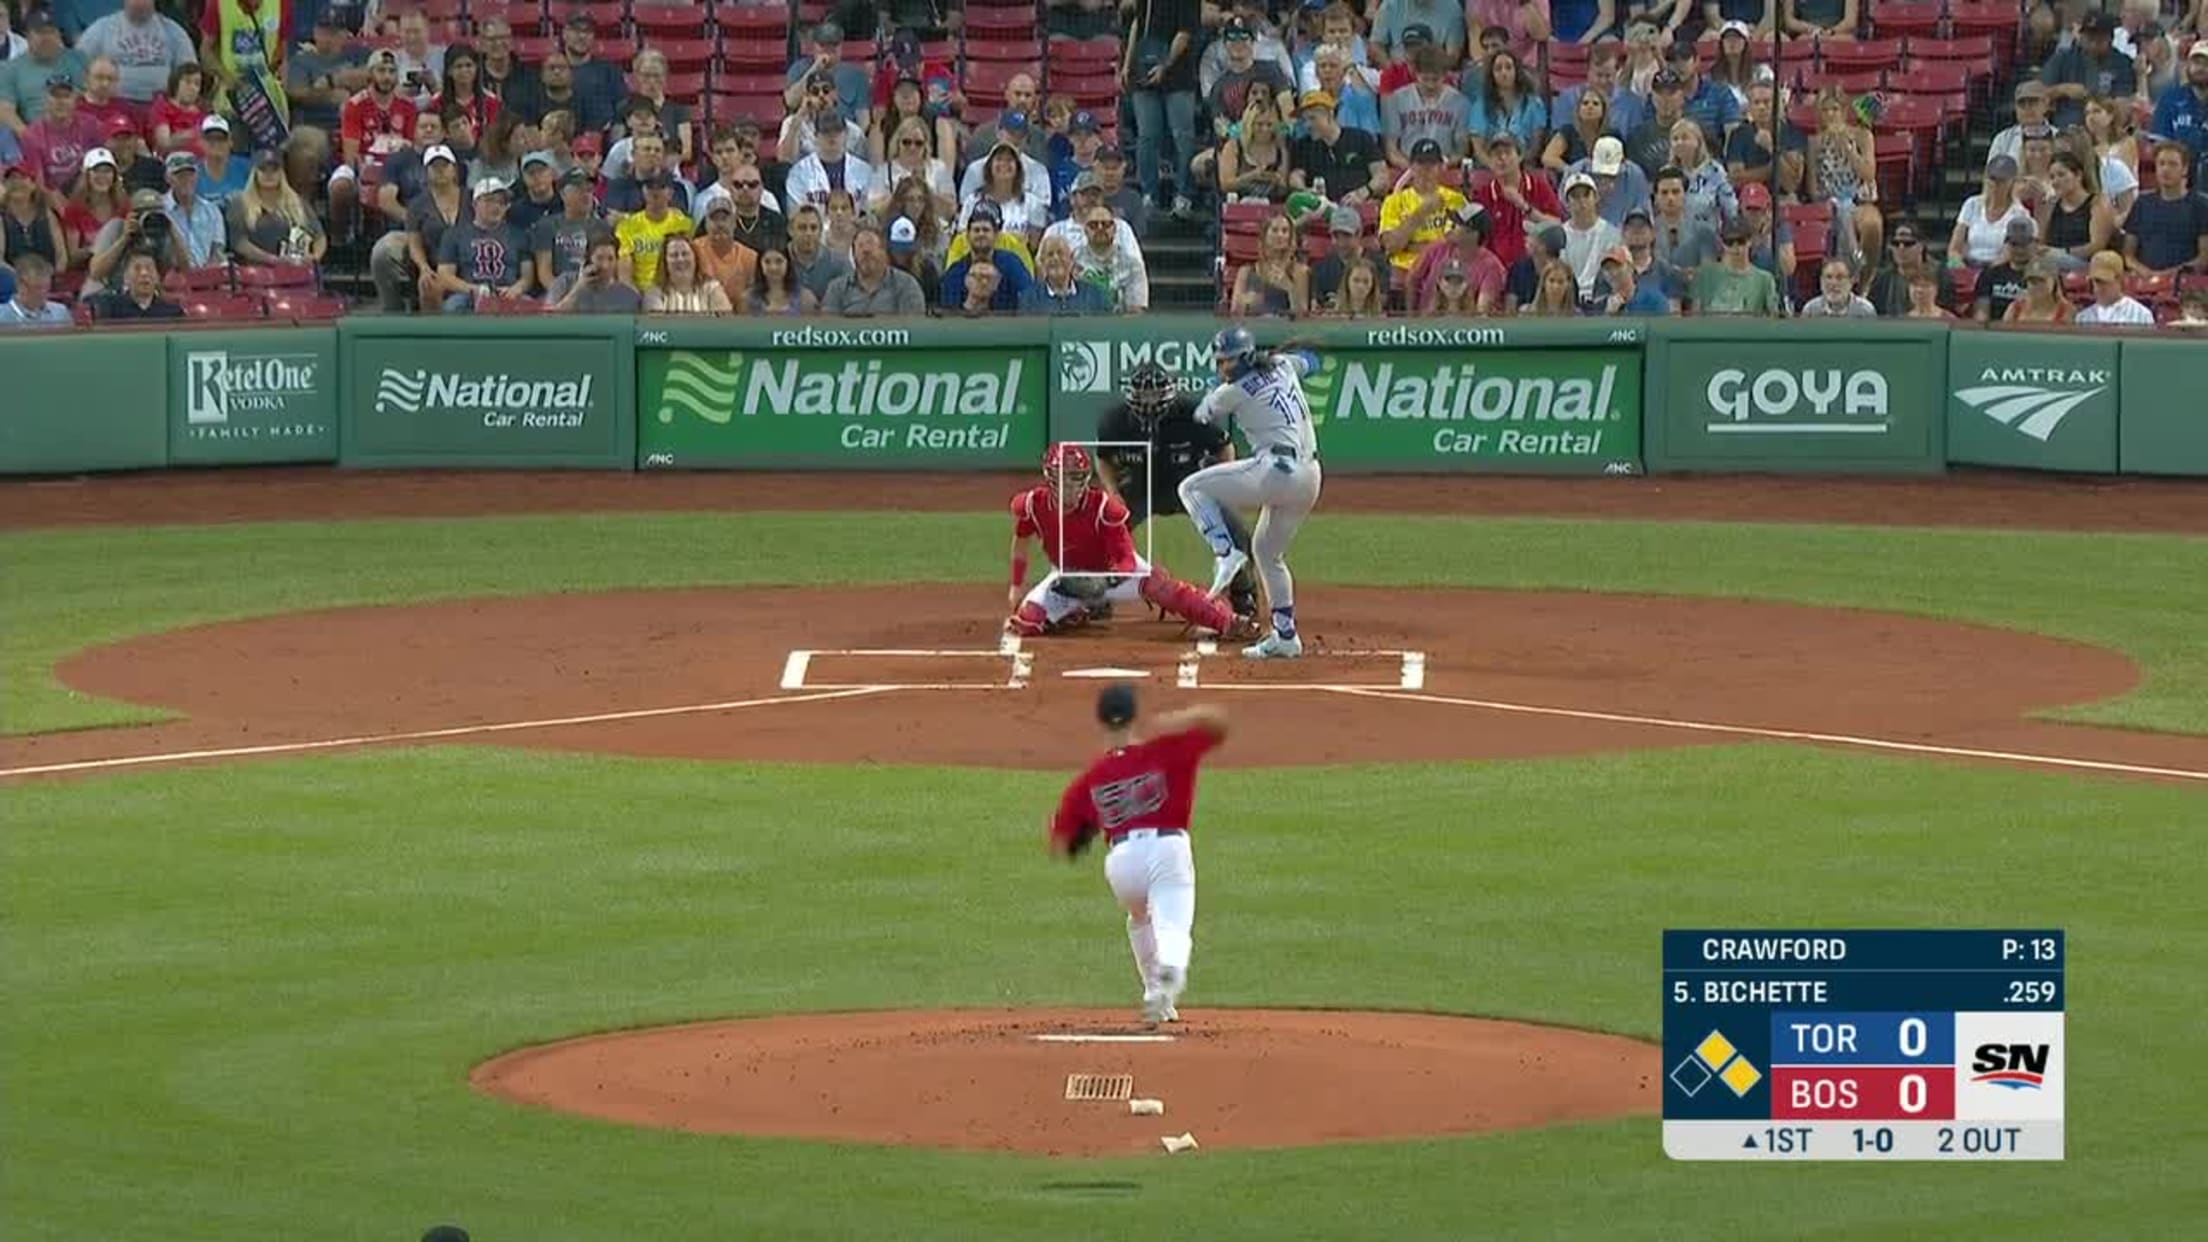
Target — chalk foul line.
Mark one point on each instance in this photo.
(1784, 735)
(431, 735)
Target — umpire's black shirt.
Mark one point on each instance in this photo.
(1183, 446)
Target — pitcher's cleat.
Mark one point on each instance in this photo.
(1274, 647)
(1156, 1005)
(1222, 575)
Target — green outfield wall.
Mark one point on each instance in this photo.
(1565, 397)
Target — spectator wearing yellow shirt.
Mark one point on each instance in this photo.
(643, 234)
(1420, 213)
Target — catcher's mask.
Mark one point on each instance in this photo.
(1149, 390)
(1069, 471)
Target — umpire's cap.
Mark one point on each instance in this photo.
(1115, 708)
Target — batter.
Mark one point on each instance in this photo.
(1261, 394)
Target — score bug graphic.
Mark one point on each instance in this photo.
(1837, 1045)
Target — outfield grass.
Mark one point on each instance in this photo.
(2141, 594)
(243, 1000)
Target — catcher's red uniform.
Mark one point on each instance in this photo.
(1095, 530)
(1090, 541)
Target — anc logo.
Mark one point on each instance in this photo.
(698, 385)
(2019, 1067)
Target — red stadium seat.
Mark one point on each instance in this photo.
(534, 48)
(615, 51)
(684, 54)
(1103, 51)
(996, 21)
(1907, 17)
(1975, 51)
(1025, 51)
(224, 306)
(277, 276)
(612, 16)
(1854, 82)
(686, 88)
(509, 306)
(752, 21)
(525, 16)
(1932, 77)
(1966, 285)
(199, 280)
(989, 77)
(1240, 247)
(306, 307)
(748, 84)
(1995, 19)
(675, 21)
(764, 110)
(1868, 54)
(1245, 217)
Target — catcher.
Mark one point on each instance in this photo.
(1084, 532)
(1140, 795)
(1158, 415)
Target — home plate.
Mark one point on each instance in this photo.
(1101, 673)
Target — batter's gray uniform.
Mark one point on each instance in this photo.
(1280, 478)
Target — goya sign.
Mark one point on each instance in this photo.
(488, 400)
(1819, 403)
(925, 409)
(267, 396)
(2044, 402)
(1558, 411)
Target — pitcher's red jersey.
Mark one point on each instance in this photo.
(1151, 784)
(1096, 536)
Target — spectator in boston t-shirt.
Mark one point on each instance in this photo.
(485, 256)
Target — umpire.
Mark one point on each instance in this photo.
(1157, 413)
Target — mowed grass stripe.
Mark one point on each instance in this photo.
(2141, 594)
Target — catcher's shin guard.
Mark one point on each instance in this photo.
(1186, 601)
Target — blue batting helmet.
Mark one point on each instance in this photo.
(1234, 349)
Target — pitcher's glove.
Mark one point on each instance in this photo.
(1081, 841)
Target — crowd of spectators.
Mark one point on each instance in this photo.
(1658, 156)
(1363, 157)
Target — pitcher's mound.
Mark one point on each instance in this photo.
(998, 1081)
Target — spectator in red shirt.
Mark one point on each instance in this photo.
(1484, 273)
(463, 88)
(375, 122)
(100, 100)
(55, 143)
(178, 111)
(1514, 198)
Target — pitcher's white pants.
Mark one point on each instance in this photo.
(1284, 490)
(1154, 877)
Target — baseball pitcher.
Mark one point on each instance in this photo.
(1085, 534)
(1140, 796)
(1158, 414)
(1261, 393)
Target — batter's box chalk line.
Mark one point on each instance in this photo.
(1410, 671)
(1018, 667)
